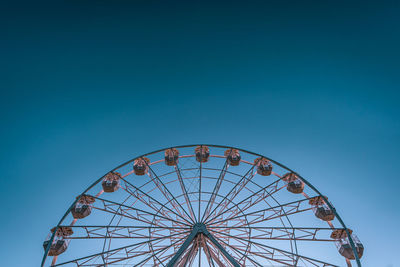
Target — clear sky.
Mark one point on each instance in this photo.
(87, 85)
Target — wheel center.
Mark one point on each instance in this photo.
(199, 228)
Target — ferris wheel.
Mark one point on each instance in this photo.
(201, 205)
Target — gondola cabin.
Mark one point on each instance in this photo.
(324, 213)
(295, 185)
(264, 166)
(83, 207)
(59, 244)
(110, 182)
(321, 209)
(141, 166)
(171, 156)
(343, 244)
(233, 157)
(202, 153)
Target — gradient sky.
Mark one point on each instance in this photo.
(87, 85)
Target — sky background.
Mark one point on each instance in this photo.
(88, 85)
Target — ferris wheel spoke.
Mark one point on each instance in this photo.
(155, 255)
(226, 201)
(163, 259)
(150, 201)
(321, 234)
(251, 200)
(180, 239)
(200, 177)
(190, 257)
(240, 254)
(131, 212)
(167, 194)
(228, 198)
(249, 251)
(273, 251)
(276, 212)
(242, 246)
(117, 231)
(215, 190)
(109, 223)
(260, 255)
(209, 256)
(132, 250)
(189, 253)
(184, 191)
(154, 252)
(258, 217)
(215, 254)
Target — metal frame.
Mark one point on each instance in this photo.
(200, 228)
(195, 235)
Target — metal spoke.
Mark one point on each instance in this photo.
(207, 252)
(233, 192)
(289, 204)
(165, 191)
(200, 176)
(248, 202)
(114, 250)
(239, 252)
(138, 217)
(283, 233)
(189, 254)
(117, 231)
(154, 255)
(182, 184)
(216, 189)
(276, 249)
(139, 194)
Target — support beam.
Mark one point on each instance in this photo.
(200, 228)
(184, 246)
(218, 245)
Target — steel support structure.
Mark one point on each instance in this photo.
(200, 228)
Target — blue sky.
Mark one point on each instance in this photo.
(86, 86)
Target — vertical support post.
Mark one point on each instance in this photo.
(182, 249)
(200, 228)
(218, 245)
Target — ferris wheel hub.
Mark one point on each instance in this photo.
(199, 228)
